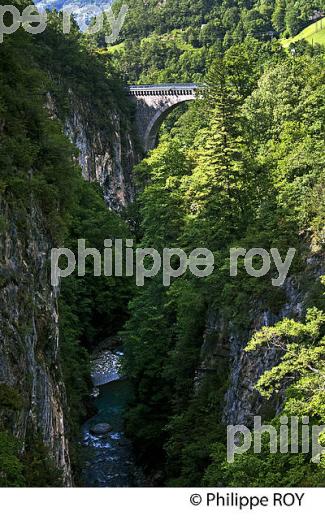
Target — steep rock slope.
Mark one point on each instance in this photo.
(29, 354)
(106, 153)
(223, 348)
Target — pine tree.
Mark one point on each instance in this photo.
(278, 17)
(218, 189)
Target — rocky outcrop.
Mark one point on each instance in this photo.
(30, 372)
(29, 351)
(105, 367)
(107, 153)
(101, 429)
(223, 349)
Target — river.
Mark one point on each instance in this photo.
(108, 461)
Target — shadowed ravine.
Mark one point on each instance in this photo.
(108, 461)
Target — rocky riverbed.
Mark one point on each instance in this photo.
(106, 367)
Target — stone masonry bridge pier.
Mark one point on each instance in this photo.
(154, 103)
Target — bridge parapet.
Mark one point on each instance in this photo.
(187, 89)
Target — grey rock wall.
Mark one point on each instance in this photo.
(223, 349)
(29, 351)
(106, 154)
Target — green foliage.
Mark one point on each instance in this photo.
(29, 465)
(243, 166)
(10, 397)
(302, 347)
(263, 470)
(11, 467)
(301, 371)
(39, 170)
(91, 309)
(39, 468)
(177, 40)
(314, 34)
(35, 157)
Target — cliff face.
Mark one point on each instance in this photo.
(92, 107)
(223, 349)
(29, 354)
(107, 153)
(29, 323)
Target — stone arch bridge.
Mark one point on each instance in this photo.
(154, 103)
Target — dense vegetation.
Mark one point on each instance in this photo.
(313, 34)
(242, 167)
(175, 40)
(39, 169)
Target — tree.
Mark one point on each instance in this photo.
(278, 17)
(302, 365)
(301, 372)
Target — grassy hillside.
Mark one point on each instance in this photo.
(314, 33)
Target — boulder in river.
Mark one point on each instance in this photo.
(100, 429)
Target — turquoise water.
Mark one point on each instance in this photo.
(109, 461)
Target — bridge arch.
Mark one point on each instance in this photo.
(151, 133)
(154, 103)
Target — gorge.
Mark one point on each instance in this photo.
(241, 165)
